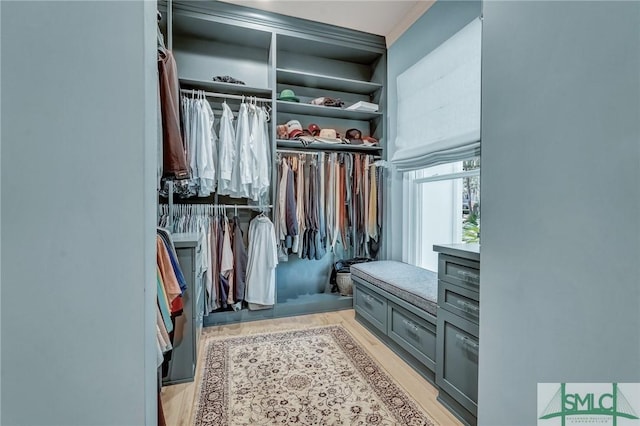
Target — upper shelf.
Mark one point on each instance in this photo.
(228, 88)
(323, 111)
(341, 50)
(318, 81)
(205, 27)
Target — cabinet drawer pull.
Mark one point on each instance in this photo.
(465, 340)
(411, 325)
(468, 306)
(469, 276)
(368, 299)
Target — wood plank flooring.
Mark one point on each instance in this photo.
(179, 401)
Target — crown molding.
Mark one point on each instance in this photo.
(410, 18)
(282, 24)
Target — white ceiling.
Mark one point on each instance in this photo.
(387, 18)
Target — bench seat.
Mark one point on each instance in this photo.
(398, 303)
(416, 286)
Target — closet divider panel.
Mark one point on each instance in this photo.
(270, 53)
(342, 69)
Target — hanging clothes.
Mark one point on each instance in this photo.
(226, 265)
(211, 299)
(333, 205)
(261, 263)
(222, 258)
(228, 153)
(262, 180)
(171, 285)
(373, 204)
(174, 162)
(299, 180)
(168, 276)
(241, 173)
(240, 263)
(201, 142)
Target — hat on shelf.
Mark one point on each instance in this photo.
(354, 136)
(327, 101)
(314, 129)
(283, 131)
(368, 140)
(295, 128)
(227, 79)
(288, 95)
(328, 136)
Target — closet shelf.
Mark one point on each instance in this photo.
(317, 146)
(190, 23)
(231, 89)
(323, 111)
(319, 81)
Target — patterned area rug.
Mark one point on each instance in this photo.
(319, 376)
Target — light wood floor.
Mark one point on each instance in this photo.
(179, 400)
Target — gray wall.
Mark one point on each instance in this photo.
(441, 21)
(560, 292)
(77, 196)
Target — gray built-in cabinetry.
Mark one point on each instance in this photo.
(270, 53)
(457, 345)
(187, 328)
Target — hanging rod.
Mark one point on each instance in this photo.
(304, 151)
(228, 206)
(242, 207)
(223, 95)
(298, 151)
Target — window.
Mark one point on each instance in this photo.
(442, 206)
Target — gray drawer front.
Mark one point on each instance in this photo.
(372, 306)
(462, 272)
(457, 367)
(415, 334)
(459, 300)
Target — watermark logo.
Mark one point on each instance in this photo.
(599, 404)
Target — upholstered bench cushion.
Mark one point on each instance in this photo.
(415, 285)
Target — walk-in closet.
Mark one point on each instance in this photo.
(233, 69)
(258, 212)
(273, 163)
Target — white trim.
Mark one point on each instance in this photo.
(448, 176)
(410, 18)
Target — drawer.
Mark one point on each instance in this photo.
(372, 306)
(462, 272)
(415, 334)
(459, 301)
(457, 355)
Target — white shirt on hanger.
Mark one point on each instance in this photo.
(261, 262)
(227, 156)
(207, 149)
(241, 174)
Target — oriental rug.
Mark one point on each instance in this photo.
(317, 376)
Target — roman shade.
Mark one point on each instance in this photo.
(439, 104)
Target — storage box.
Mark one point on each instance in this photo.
(363, 106)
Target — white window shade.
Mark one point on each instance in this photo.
(439, 104)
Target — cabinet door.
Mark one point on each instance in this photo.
(414, 334)
(371, 305)
(183, 357)
(457, 359)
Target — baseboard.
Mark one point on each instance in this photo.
(457, 409)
